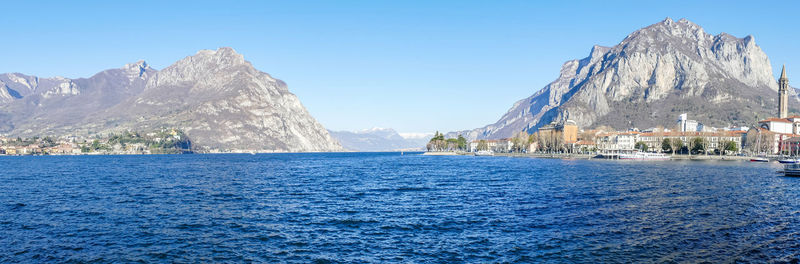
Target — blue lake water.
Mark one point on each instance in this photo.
(383, 207)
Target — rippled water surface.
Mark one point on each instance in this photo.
(383, 207)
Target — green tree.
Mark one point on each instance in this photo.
(641, 146)
(462, 142)
(437, 143)
(666, 146)
(48, 142)
(452, 144)
(437, 136)
(698, 145)
(730, 146)
(96, 144)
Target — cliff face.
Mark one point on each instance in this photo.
(648, 79)
(219, 99)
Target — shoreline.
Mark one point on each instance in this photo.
(215, 153)
(446, 153)
(595, 156)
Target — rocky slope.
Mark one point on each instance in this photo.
(648, 79)
(219, 99)
(378, 139)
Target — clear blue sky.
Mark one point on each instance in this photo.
(416, 66)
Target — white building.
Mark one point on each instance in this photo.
(736, 128)
(625, 141)
(496, 145)
(687, 125)
(780, 125)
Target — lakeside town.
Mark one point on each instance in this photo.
(164, 141)
(773, 136)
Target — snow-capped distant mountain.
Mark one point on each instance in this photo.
(381, 139)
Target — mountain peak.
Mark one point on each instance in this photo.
(138, 64)
(685, 21)
(137, 69)
(203, 64)
(222, 57)
(666, 67)
(670, 26)
(681, 22)
(682, 34)
(222, 52)
(598, 50)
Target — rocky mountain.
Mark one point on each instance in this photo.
(648, 79)
(379, 139)
(219, 99)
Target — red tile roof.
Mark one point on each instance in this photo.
(775, 119)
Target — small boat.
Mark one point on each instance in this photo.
(644, 156)
(792, 170)
(484, 153)
(789, 161)
(759, 159)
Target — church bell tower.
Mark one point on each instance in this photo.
(783, 96)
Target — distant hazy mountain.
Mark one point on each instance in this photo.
(216, 97)
(648, 79)
(380, 139)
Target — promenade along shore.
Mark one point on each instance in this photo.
(592, 156)
(595, 156)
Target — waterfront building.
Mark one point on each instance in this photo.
(758, 140)
(474, 145)
(583, 146)
(655, 129)
(534, 146)
(10, 151)
(622, 142)
(787, 125)
(496, 145)
(570, 131)
(774, 131)
(503, 145)
(566, 132)
(714, 140)
(790, 146)
(617, 141)
(557, 136)
(736, 128)
(770, 142)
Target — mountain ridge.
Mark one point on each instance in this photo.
(651, 76)
(217, 97)
(378, 139)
